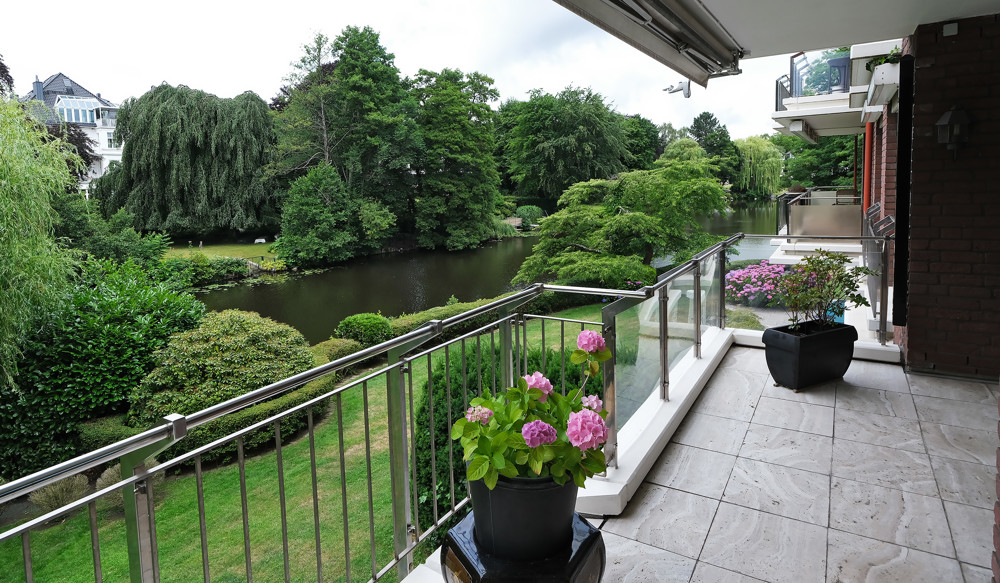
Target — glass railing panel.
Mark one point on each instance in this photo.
(680, 318)
(710, 293)
(637, 357)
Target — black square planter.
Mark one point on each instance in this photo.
(809, 355)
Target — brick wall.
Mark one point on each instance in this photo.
(953, 321)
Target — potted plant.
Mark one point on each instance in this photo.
(528, 449)
(814, 347)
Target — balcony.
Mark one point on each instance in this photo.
(713, 470)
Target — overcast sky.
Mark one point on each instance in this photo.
(121, 49)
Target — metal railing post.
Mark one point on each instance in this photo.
(697, 309)
(610, 339)
(883, 315)
(506, 348)
(664, 300)
(722, 287)
(140, 523)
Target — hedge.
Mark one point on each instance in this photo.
(366, 328)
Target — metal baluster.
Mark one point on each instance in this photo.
(664, 299)
(343, 485)
(281, 499)
(243, 501)
(29, 575)
(200, 487)
(451, 443)
(95, 542)
(722, 287)
(433, 433)
(545, 348)
(414, 514)
(315, 491)
(371, 497)
(562, 353)
(697, 309)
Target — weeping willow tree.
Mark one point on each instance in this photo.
(759, 173)
(192, 163)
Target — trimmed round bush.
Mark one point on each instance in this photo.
(231, 353)
(60, 493)
(368, 329)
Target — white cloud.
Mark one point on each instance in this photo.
(121, 49)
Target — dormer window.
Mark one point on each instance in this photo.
(74, 109)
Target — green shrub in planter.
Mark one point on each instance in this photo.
(368, 329)
(231, 353)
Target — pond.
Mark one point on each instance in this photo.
(409, 282)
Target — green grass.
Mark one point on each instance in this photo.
(254, 251)
(62, 552)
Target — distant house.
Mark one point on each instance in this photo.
(66, 100)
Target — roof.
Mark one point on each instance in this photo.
(60, 84)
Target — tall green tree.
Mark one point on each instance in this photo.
(562, 139)
(713, 137)
(33, 270)
(829, 162)
(192, 162)
(668, 134)
(457, 179)
(759, 175)
(642, 139)
(6, 81)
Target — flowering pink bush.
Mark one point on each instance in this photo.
(478, 415)
(538, 433)
(592, 402)
(538, 381)
(586, 429)
(755, 285)
(590, 341)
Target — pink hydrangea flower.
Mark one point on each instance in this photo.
(538, 381)
(538, 433)
(590, 341)
(479, 414)
(586, 430)
(592, 402)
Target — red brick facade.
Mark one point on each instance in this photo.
(953, 323)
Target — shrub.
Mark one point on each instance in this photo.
(529, 215)
(755, 285)
(501, 230)
(444, 417)
(368, 329)
(60, 493)
(86, 359)
(334, 348)
(101, 431)
(229, 354)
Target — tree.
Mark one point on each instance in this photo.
(6, 81)
(562, 139)
(667, 135)
(80, 226)
(683, 149)
(609, 231)
(33, 270)
(713, 137)
(191, 162)
(457, 179)
(829, 162)
(73, 134)
(642, 140)
(759, 175)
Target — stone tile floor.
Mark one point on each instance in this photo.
(881, 476)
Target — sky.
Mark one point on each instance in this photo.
(122, 49)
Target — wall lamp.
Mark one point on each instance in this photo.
(953, 128)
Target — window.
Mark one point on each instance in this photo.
(111, 141)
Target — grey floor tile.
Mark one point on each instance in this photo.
(633, 562)
(959, 443)
(666, 518)
(795, 416)
(766, 546)
(856, 559)
(779, 490)
(965, 482)
(711, 432)
(705, 573)
(694, 470)
(975, 574)
(957, 413)
(878, 430)
(875, 401)
(958, 390)
(731, 393)
(746, 359)
(972, 530)
(821, 394)
(804, 451)
(884, 466)
(877, 375)
(890, 515)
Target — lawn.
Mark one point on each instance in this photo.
(62, 552)
(252, 251)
